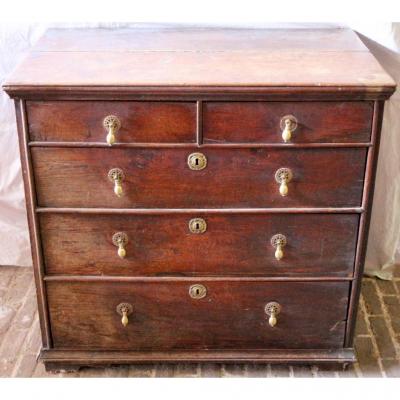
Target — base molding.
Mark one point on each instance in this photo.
(74, 359)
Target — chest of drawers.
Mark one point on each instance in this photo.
(198, 194)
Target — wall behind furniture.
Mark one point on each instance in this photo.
(384, 243)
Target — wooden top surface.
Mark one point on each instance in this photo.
(199, 57)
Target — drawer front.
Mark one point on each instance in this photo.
(161, 178)
(163, 245)
(230, 315)
(82, 121)
(260, 122)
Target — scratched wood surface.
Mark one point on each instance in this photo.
(226, 88)
(231, 316)
(187, 57)
(233, 245)
(161, 178)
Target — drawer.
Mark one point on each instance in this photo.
(236, 244)
(82, 121)
(164, 316)
(260, 122)
(161, 178)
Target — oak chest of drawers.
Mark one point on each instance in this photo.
(198, 194)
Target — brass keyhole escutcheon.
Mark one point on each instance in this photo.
(197, 291)
(272, 309)
(197, 161)
(197, 225)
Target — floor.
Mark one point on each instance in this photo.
(377, 340)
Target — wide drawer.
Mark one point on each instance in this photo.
(82, 121)
(232, 244)
(161, 178)
(164, 316)
(263, 122)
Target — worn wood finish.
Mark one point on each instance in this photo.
(220, 92)
(233, 178)
(231, 316)
(372, 162)
(259, 122)
(191, 59)
(67, 359)
(317, 245)
(198, 70)
(34, 235)
(162, 211)
(74, 121)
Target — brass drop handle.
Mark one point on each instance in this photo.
(112, 125)
(124, 309)
(288, 125)
(272, 309)
(116, 176)
(278, 241)
(120, 239)
(283, 176)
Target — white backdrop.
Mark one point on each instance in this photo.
(384, 243)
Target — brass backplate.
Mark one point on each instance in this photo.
(293, 122)
(124, 307)
(278, 239)
(116, 174)
(120, 238)
(197, 161)
(197, 291)
(272, 308)
(283, 174)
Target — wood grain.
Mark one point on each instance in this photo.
(157, 178)
(74, 121)
(233, 245)
(231, 316)
(222, 92)
(196, 69)
(72, 359)
(259, 122)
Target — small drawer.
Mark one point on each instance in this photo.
(265, 122)
(279, 245)
(129, 121)
(217, 178)
(199, 315)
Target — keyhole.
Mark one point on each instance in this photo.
(197, 292)
(197, 161)
(197, 226)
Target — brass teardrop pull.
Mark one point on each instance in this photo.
(120, 239)
(272, 309)
(112, 125)
(124, 309)
(116, 176)
(288, 125)
(278, 241)
(283, 176)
